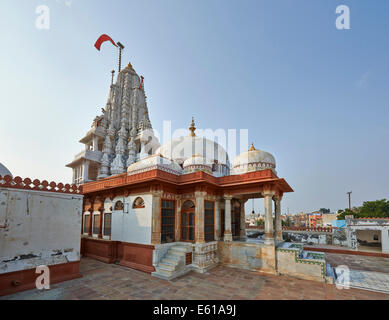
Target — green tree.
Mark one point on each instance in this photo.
(369, 209)
(375, 209)
(287, 222)
(324, 210)
(260, 223)
(347, 212)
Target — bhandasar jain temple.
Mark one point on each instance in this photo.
(162, 209)
(178, 207)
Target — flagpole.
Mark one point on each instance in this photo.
(121, 47)
(113, 74)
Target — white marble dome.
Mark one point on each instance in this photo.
(155, 161)
(197, 159)
(253, 160)
(197, 163)
(4, 171)
(183, 148)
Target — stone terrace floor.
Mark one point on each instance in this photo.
(105, 282)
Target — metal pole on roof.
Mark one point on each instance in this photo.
(349, 199)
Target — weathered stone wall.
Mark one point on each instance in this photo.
(249, 256)
(289, 263)
(361, 232)
(38, 228)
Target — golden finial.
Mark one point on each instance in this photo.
(192, 128)
(252, 147)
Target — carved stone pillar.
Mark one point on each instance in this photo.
(269, 237)
(86, 171)
(217, 220)
(199, 216)
(91, 209)
(90, 221)
(178, 222)
(101, 210)
(242, 219)
(227, 218)
(156, 218)
(278, 231)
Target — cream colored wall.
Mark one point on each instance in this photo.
(328, 218)
(368, 235)
(134, 226)
(42, 228)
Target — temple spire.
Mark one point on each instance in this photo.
(192, 128)
(252, 147)
(113, 74)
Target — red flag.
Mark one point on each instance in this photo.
(102, 39)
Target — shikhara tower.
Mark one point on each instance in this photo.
(120, 136)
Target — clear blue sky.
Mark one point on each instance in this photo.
(313, 96)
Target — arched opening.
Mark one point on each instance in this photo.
(119, 205)
(138, 203)
(188, 221)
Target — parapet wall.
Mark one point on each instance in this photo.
(249, 256)
(37, 227)
(328, 236)
(290, 263)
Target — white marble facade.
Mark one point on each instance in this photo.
(122, 140)
(120, 136)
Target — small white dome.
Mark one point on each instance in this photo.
(197, 163)
(155, 161)
(253, 160)
(183, 148)
(4, 171)
(197, 159)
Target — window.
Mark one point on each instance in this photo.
(86, 223)
(119, 205)
(107, 223)
(96, 224)
(209, 233)
(167, 221)
(138, 203)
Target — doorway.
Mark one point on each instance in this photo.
(188, 221)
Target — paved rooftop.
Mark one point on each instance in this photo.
(104, 281)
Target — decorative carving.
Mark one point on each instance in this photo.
(138, 203)
(19, 183)
(119, 206)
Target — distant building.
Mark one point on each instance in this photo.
(315, 220)
(328, 219)
(300, 220)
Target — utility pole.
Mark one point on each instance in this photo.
(349, 199)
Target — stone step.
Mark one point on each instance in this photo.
(166, 273)
(173, 257)
(179, 248)
(170, 260)
(175, 252)
(167, 267)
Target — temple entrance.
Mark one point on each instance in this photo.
(188, 221)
